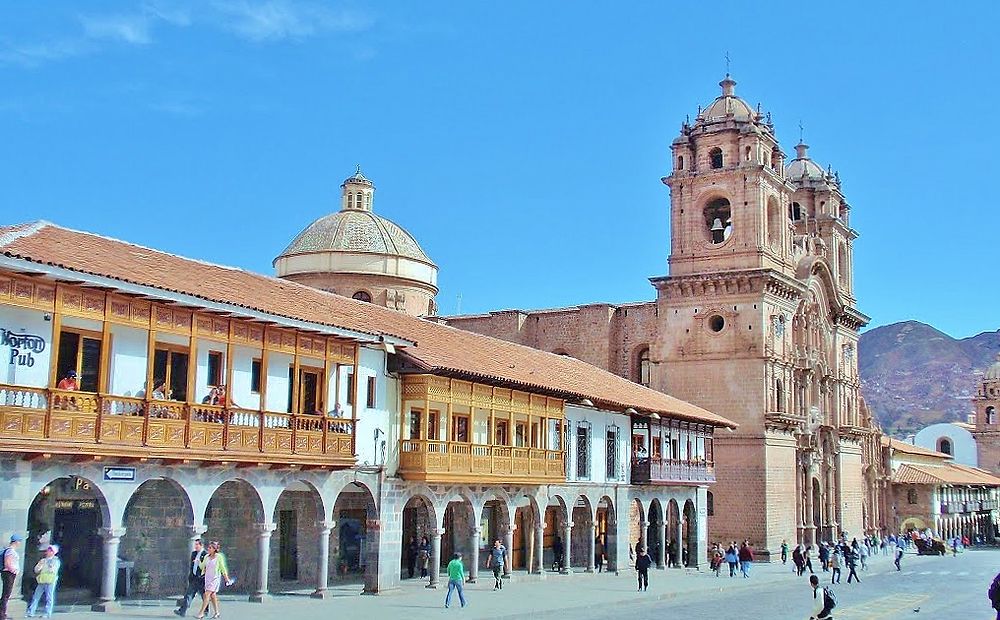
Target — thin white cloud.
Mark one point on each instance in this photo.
(35, 54)
(131, 29)
(275, 20)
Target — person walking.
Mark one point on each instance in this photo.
(863, 555)
(498, 558)
(412, 550)
(824, 600)
(557, 554)
(642, 564)
(851, 559)
(807, 559)
(836, 562)
(994, 594)
(599, 553)
(216, 573)
(46, 576)
(798, 560)
(195, 578)
(424, 556)
(11, 564)
(899, 556)
(824, 557)
(718, 558)
(732, 559)
(784, 551)
(456, 575)
(746, 559)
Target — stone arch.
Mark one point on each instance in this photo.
(72, 512)
(459, 519)
(158, 521)
(636, 530)
(674, 533)
(655, 545)
(581, 547)
(643, 365)
(235, 517)
(357, 533)
(420, 521)
(776, 222)
(606, 522)
(298, 517)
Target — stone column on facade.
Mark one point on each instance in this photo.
(323, 566)
(567, 547)
(810, 528)
(263, 561)
(474, 554)
(508, 542)
(661, 547)
(591, 546)
(539, 567)
(680, 538)
(197, 531)
(435, 560)
(111, 537)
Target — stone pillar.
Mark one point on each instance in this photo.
(539, 568)
(109, 570)
(508, 542)
(701, 529)
(263, 561)
(434, 566)
(474, 554)
(680, 537)
(661, 551)
(567, 547)
(591, 546)
(642, 537)
(611, 547)
(323, 566)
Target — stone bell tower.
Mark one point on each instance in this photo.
(987, 433)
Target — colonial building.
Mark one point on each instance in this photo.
(987, 423)
(756, 320)
(147, 399)
(927, 490)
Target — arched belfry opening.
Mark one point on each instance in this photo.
(718, 220)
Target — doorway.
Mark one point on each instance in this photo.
(288, 545)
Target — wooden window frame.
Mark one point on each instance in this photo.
(171, 348)
(320, 401)
(221, 379)
(416, 422)
(434, 424)
(350, 389)
(455, 419)
(78, 366)
(370, 397)
(259, 363)
(506, 432)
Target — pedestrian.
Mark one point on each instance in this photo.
(671, 554)
(717, 558)
(456, 575)
(498, 559)
(807, 559)
(599, 554)
(642, 563)
(798, 561)
(899, 556)
(851, 559)
(11, 564)
(824, 557)
(412, 550)
(836, 562)
(195, 578)
(557, 554)
(732, 559)
(46, 576)
(424, 556)
(994, 594)
(784, 551)
(824, 600)
(216, 573)
(863, 555)
(746, 559)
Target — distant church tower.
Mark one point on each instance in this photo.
(358, 254)
(756, 321)
(987, 433)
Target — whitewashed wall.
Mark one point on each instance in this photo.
(962, 443)
(20, 365)
(600, 422)
(127, 373)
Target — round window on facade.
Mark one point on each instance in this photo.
(716, 323)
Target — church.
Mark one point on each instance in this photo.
(756, 320)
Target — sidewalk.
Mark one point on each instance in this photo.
(524, 596)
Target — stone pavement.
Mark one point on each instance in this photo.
(554, 596)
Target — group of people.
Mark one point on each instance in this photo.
(46, 573)
(735, 556)
(418, 554)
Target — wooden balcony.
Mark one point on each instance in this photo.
(666, 471)
(49, 421)
(451, 461)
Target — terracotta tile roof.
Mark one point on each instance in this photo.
(909, 448)
(439, 348)
(948, 473)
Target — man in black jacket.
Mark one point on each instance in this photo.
(642, 563)
(196, 578)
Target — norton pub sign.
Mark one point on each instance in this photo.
(23, 347)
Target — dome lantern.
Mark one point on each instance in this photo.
(357, 192)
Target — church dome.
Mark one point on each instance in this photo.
(802, 167)
(356, 230)
(728, 104)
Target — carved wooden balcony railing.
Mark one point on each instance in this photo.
(452, 461)
(43, 421)
(667, 471)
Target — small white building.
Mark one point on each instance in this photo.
(951, 438)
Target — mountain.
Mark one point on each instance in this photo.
(913, 375)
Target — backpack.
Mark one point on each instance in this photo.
(829, 598)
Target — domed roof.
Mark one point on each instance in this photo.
(802, 167)
(728, 104)
(356, 230)
(993, 372)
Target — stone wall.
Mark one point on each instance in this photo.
(232, 517)
(157, 539)
(305, 551)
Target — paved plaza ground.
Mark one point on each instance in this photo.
(940, 587)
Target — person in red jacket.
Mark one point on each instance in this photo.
(746, 558)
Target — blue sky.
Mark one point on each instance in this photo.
(522, 143)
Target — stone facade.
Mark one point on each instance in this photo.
(987, 429)
(756, 321)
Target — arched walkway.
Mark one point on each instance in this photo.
(674, 533)
(72, 513)
(582, 537)
(606, 524)
(656, 546)
(235, 518)
(689, 553)
(460, 528)
(157, 521)
(636, 528)
(356, 538)
(295, 546)
(419, 525)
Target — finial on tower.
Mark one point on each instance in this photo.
(727, 63)
(800, 132)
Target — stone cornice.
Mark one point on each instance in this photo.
(750, 281)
